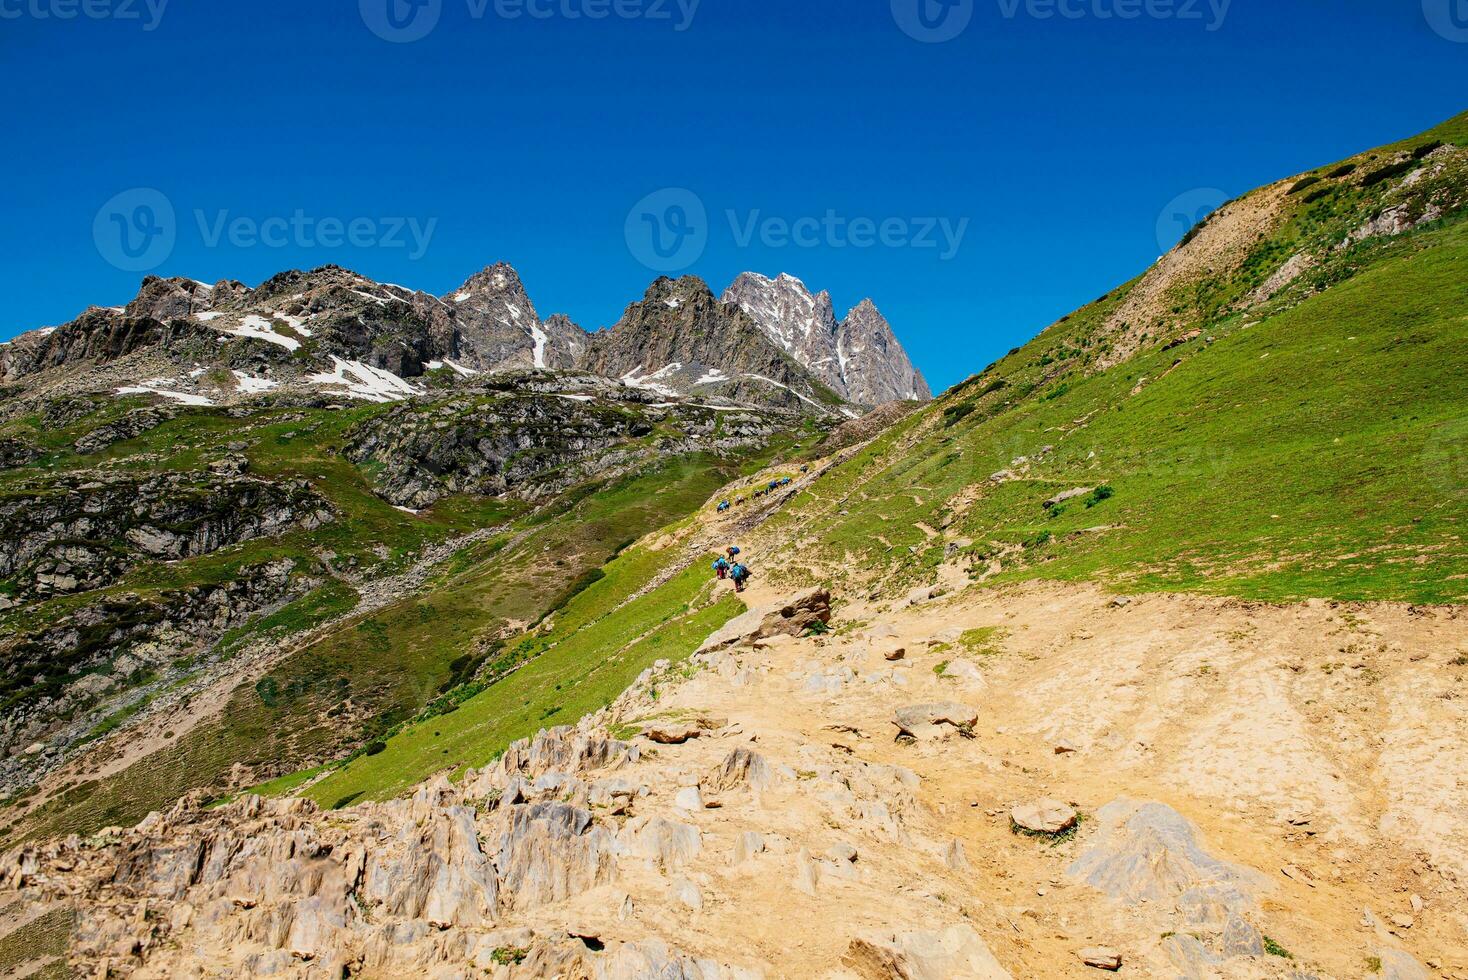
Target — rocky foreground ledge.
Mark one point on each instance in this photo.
(786, 842)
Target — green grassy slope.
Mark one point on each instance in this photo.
(588, 659)
(1311, 446)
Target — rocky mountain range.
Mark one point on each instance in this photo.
(335, 330)
(859, 357)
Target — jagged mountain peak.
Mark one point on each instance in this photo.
(499, 277)
(681, 339)
(873, 362)
(689, 285)
(804, 325)
(497, 321)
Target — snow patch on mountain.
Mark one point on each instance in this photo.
(365, 382)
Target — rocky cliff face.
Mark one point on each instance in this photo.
(680, 339)
(79, 532)
(535, 445)
(859, 358)
(99, 336)
(58, 672)
(802, 325)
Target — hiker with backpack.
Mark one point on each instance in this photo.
(721, 566)
(740, 574)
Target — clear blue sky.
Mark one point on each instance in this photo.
(1058, 140)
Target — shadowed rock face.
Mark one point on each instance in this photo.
(769, 343)
(488, 324)
(98, 336)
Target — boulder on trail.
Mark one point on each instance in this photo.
(1101, 958)
(955, 952)
(923, 593)
(672, 732)
(1398, 964)
(1044, 817)
(925, 720)
(741, 767)
(1148, 852)
(789, 618)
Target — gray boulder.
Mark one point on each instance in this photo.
(1043, 817)
(922, 721)
(790, 618)
(920, 955)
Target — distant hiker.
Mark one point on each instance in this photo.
(733, 551)
(805, 469)
(740, 574)
(723, 506)
(739, 501)
(721, 566)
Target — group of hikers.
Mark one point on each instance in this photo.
(732, 567)
(729, 565)
(774, 485)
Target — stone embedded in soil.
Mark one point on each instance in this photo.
(1101, 958)
(924, 720)
(1044, 817)
(1065, 495)
(955, 952)
(672, 733)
